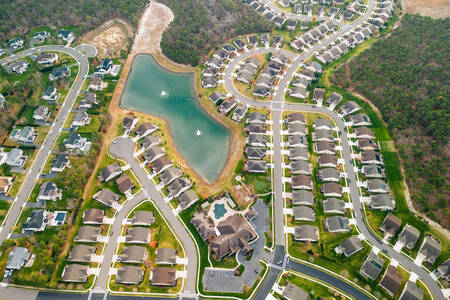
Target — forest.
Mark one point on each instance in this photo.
(19, 16)
(200, 25)
(406, 75)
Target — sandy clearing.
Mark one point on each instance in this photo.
(432, 8)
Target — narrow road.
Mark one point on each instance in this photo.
(44, 151)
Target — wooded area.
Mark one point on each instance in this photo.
(200, 25)
(20, 16)
(406, 75)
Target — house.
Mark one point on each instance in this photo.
(349, 246)
(5, 184)
(322, 135)
(163, 276)
(349, 107)
(25, 135)
(382, 202)
(169, 175)
(252, 40)
(296, 129)
(244, 75)
(125, 184)
(204, 226)
(302, 182)
(161, 164)
(50, 94)
(17, 258)
(37, 221)
(75, 273)
(334, 206)
(377, 186)
(2, 101)
(411, 292)
(261, 91)
(106, 197)
(371, 157)
(256, 129)
(88, 234)
(297, 45)
(444, 270)
(256, 166)
(298, 92)
(331, 189)
(239, 44)
(324, 147)
(229, 48)
(137, 235)
(364, 133)
(239, 113)
(337, 224)
(367, 144)
(256, 118)
(81, 119)
(187, 198)
(302, 197)
(298, 153)
(210, 71)
(265, 39)
(215, 63)
(129, 122)
(318, 95)
(235, 234)
(254, 153)
(145, 129)
(217, 96)
(97, 83)
(391, 280)
(109, 172)
(93, 216)
(347, 15)
(279, 21)
(360, 120)
(226, 106)
(49, 192)
(47, 58)
(322, 124)
(19, 66)
(59, 72)
(40, 36)
(333, 11)
(329, 174)
(277, 41)
(81, 253)
(104, 68)
(65, 35)
(178, 186)
(307, 74)
(153, 153)
(300, 167)
(166, 256)
(15, 44)
(15, 158)
(409, 236)
(306, 233)
(297, 141)
(373, 171)
(303, 213)
(430, 249)
(133, 255)
(41, 113)
(256, 140)
(127, 274)
(74, 141)
(143, 218)
(372, 266)
(150, 141)
(334, 99)
(301, 82)
(391, 224)
(328, 160)
(293, 292)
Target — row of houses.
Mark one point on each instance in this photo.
(256, 143)
(313, 36)
(265, 82)
(225, 105)
(302, 80)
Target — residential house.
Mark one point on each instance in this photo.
(133, 255)
(372, 266)
(143, 218)
(97, 83)
(303, 213)
(93, 216)
(411, 292)
(127, 274)
(254, 153)
(49, 192)
(88, 234)
(2, 101)
(166, 256)
(322, 124)
(297, 141)
(377, 186)
(337, 224)
(145, 129)
(364, 133)
(256, 166)
(298, 153)
(169, 175)
(50, 94)
(150, 141)
(187, 198)
(59, 72)
(324, 147)
(137, 235)
(257, 140)
(125, 184)
(81, 253)
(37, 221)
(15, 44)
(390, 226)
(104, 68)
(153, 153)
(75, 141)
(163, 276)
(318, 95)
(334, 99)
(217, 96)
(17, 258)
(75, 273)
(106, 197)
(15, 158)
(367, 144)
(349, 107)
(302, 182)
(160, 164)
(47, 58)
(109, 172)
(360, 120)
(25, 135)
(226, 106)
(382, 202)
(256, 118)
(329, 174)
(331, 189)
(239, 113)
(81, 119)
(349, 246)
(298, 92)
(306, 233)
(65, 35)
(178, 186)
(371, 157)
(296, 129)
(129, 122)
(5, 184)
(300, 167)
(256, 129)
(373, 171)
(430, 249)
(302, 197)
(334, 206)
(328, 160)
(323, 135)
(409, 236)
(41, 113)
(40, 36)
(444, 270)
(19, 66)
(391, 280)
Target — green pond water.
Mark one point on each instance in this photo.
(201, 140)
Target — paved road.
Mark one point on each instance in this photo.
(102, 279)
(123, 148)
(46, 147)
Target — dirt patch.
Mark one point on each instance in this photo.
(110, 37)
(432, 8)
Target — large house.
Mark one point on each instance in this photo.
(58, 73)
(25, 135)
(49, 192)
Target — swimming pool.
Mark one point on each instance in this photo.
(219, 210)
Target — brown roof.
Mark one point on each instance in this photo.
(332, 187)
(164, 276)
(301, 180)
(124, 182)
(144, 127)
(93, 216)
(327, 159)
(391, 280)
(325, 146)
(160, 163)
(391, 224)
(363, 131)
(5, 182)
(296, 117)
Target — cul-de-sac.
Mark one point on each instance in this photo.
(225, 149)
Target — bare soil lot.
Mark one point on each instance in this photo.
(432, 8)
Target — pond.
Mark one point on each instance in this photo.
(201, 140)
